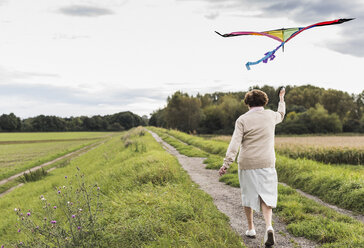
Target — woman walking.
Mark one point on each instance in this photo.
(254, 133)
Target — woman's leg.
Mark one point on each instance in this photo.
(249, 216)
(267, 213)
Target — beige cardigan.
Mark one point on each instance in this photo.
(254, 133)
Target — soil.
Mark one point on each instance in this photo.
(228, 200)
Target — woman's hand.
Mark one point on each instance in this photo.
(222, 170)
(281, 94)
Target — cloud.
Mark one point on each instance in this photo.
(305, 12)
(212, 15)
(69, 37)
(85, 11)
(49, 98)
(9, 76)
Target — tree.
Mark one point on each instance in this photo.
(10, 122)
(183, 112)
(335, 101)
(307, 96)
(158, 118)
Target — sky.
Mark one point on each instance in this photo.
(92, 57)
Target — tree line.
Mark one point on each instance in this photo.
(43, 123)
(310, 109)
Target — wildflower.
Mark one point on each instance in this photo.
(98, 188)
(80, 209)
(28, 213)
(78, 227)
(15, 209)
(55, 207)
(53, 222)
(64, 186)
(19, 230)
(65, 177)
(45, 218)
(59, 191)
(68, 202)
(2, 246)
(73, 216)
(20, 243)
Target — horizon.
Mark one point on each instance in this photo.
(194, 95)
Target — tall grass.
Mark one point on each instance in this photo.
(148, 199)
(181, 147)
(333, 155)
(339, 185)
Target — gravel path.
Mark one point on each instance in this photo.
(228, 200)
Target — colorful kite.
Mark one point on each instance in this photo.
(282, 35)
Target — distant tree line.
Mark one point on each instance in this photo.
(310, 109)
(43, 123)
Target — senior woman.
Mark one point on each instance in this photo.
(254, 133)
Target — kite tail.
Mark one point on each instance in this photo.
(268, 56)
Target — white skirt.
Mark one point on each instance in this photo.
(257, 183)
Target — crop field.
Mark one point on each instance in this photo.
(341, 185)
(33, 137)
(19, 152)
(327, 149)
(312, 141)
(147, 199)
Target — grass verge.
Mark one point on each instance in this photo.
(148, 199)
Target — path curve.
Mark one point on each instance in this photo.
(228, 200)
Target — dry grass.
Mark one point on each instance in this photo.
(323, 141)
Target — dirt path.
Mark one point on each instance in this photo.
(228, 200)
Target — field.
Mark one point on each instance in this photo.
(342, 185)
(19, 152)
(327, 149)
(51, 136)
(147, 199)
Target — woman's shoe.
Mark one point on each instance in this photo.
(269, 239)
(251, 233)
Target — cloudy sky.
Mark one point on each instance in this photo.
(88, 57)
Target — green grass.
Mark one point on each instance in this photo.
(181, 147)
(216, 147)
(148, 199)
(340, 185)
(51, 136)
(305, 217)
(16, 158)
